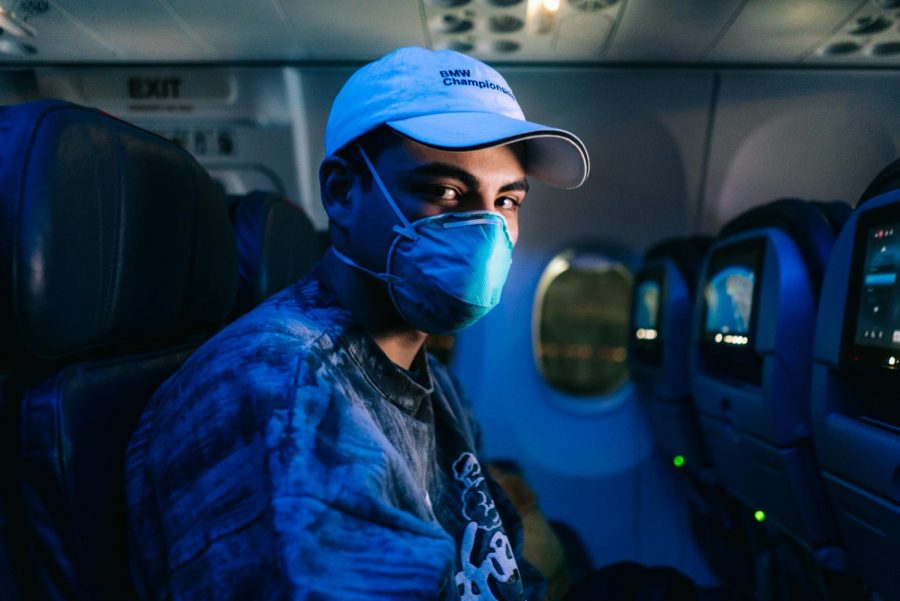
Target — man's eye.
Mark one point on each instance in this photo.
(445, 193)
(507, 203)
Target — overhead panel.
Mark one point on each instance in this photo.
(140, 29)
(523, 30)
(681, 31)
(241, 30)
(349, 29)
(780, 31)
(209, 30)
(53, 34)
(822, 32)
(871, 38)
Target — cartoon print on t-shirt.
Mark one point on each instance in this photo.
(484, 556)
(477, 506)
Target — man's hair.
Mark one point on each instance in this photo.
(374, 142)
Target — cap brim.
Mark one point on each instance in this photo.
(554, 156)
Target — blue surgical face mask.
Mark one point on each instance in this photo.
(446, 271)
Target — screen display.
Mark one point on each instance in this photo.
(878, 315)
(729, 296)
(730, 299)
(870, 348)
(646, 310)
(647, 314)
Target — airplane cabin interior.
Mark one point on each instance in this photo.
(695, 363)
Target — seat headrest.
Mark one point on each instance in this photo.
(888, 179)
(686, 253)
(111, 235)
(277, 244)
(812, 225)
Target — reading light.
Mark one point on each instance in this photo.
(541, 14)
(12, 24)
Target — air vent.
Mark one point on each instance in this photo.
(591, 6)
(869, 25)
(450, 23)
(450, 3)
(885, 49)
(841, 48)
(458, 45)
(503, 3)
(504, 46)
(505, 23)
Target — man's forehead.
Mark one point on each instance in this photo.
(497, 162)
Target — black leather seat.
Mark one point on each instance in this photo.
(277, 244)
(116, 261)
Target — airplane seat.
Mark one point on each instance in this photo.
(660, 333)
(752, 352)
(855, 384)
(662, 303)
(116, 261)
(276, 242)
(887, 180)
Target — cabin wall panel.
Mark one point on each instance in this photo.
(814, 135)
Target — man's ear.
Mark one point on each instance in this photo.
(336, 180)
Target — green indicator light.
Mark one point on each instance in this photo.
(678, 460)
(760, 515)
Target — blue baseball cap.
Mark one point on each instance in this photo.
(450, 101)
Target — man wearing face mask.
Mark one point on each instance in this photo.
(312, 448)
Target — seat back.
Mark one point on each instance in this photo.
(117, 259)
(663, 301)
(277, 244)
(754, 323)
(855, 384)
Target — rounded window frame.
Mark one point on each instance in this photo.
(559, 262)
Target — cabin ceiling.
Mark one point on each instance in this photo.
(785, 32)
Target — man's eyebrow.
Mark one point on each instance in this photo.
(445, 170)
(522, 185)
(469, 180)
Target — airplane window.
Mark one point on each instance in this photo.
(581, 323)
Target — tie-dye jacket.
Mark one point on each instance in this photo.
(289, 458)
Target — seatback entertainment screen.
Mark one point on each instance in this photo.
(729, 296)
(730, 307)
(871, 336)
(878, 313)
(646, 318)
(647, 314)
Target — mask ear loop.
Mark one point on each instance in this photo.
(384, 277)
(406, 231)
